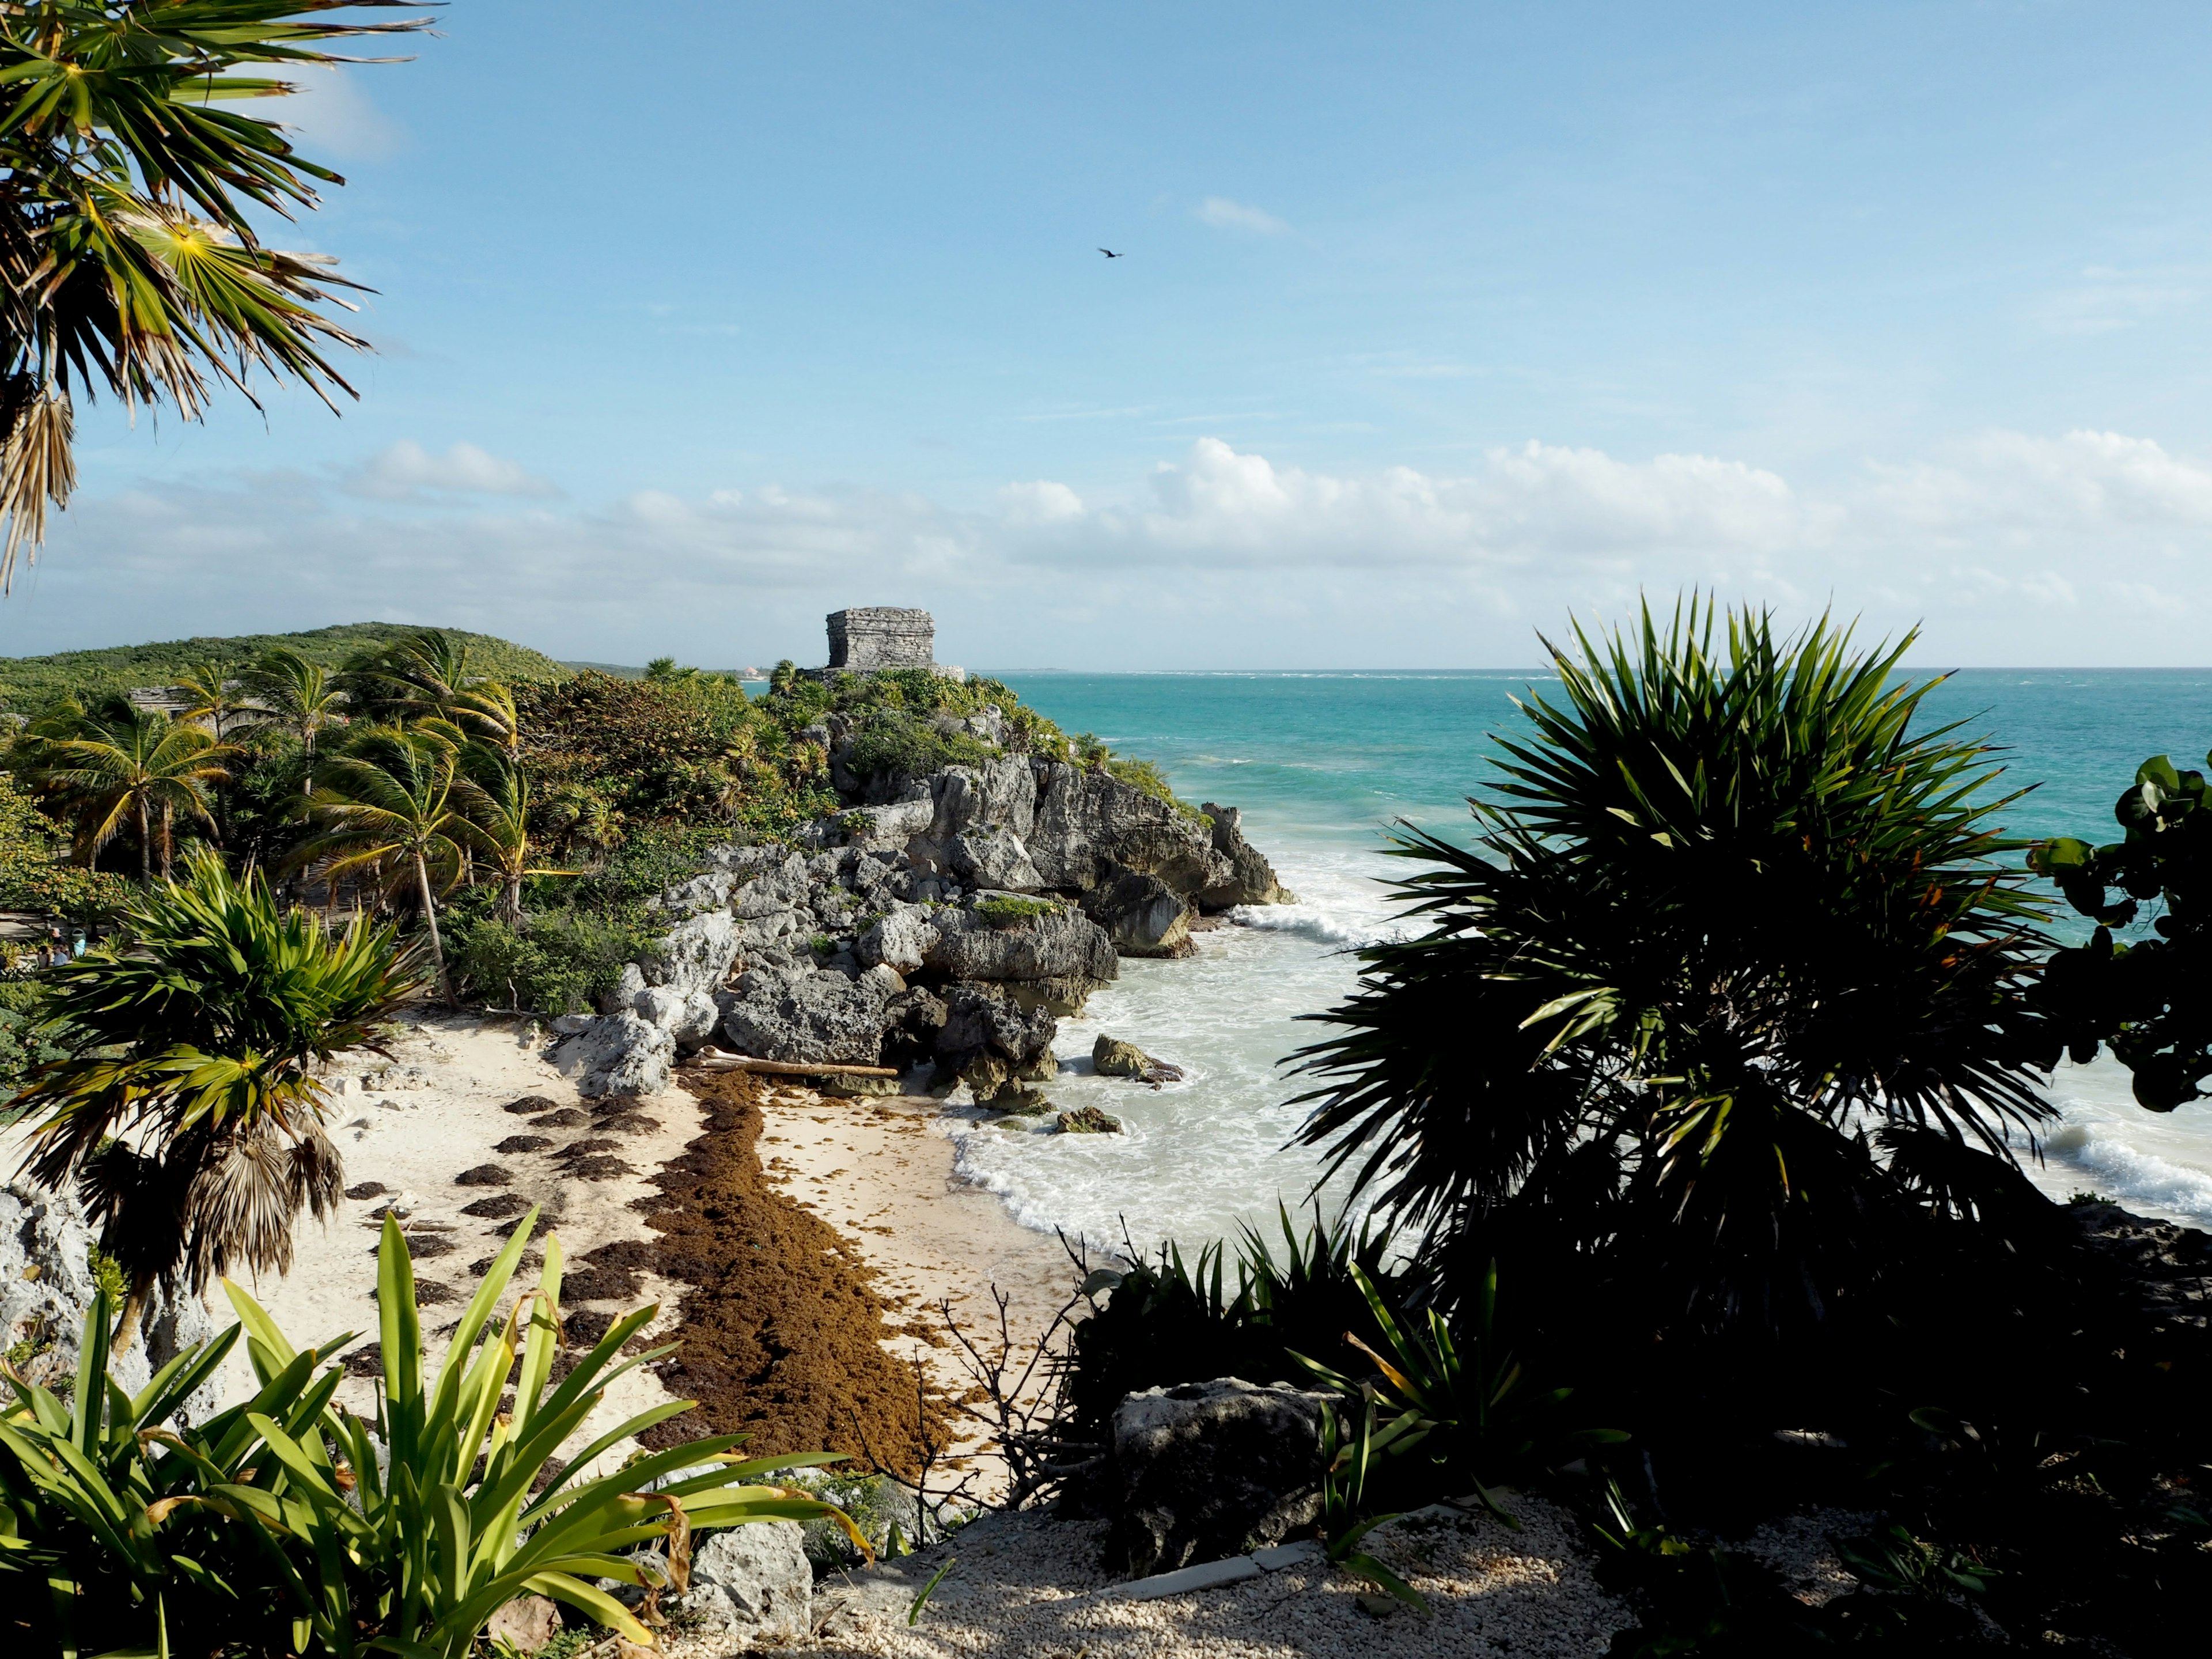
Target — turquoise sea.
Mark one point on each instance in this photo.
(1322, 762)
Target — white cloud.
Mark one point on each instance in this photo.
(2083, 547)
(406, 471)
(1225, 214)
(331, 117)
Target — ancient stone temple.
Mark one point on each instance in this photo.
(869, 638)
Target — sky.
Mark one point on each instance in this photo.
(1436, 324)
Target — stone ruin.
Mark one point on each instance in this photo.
(868, 639)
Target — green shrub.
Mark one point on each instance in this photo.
(286, 1525)
(559, 963)
(892, 742)
(1005, 909)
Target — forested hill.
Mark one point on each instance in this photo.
(29, 683)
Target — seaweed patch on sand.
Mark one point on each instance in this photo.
(781, 1333)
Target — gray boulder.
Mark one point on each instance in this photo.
(890, 826)
(753, 1584)
(688, 1017)
(707, 891)
(991, 856)
(46, 1286)
(1211, 1469)
(619, 1055)
(1251, 879)
(1090, 827)
(693, 955)
(624, 994)
(1001, 794)
(742, 862)
(1059, 944)
(785, 886)
(903, 939)
(810, 1014)
(989, 1039)
(1111, 1057)
(1142, 915)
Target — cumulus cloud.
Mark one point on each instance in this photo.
(1225, 214)
(407, 472)
(2081, 547)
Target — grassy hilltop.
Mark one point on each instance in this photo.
(29, 684)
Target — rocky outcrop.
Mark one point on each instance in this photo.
(1210, 1469)
(810, 1014)
(750, 1585)
(1111, 1057)
(1089, 1121)
(46, 1286)
(1251, 879)
(990, 939)
(990, 1040)
(1142, 915)
(1028, 875)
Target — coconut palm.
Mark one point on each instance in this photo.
(211, 693)
(189, 1111)
(396, 806)
(120, 764)
(499, 818)
(298, 697)
(424, 675)
(132, 199)
(1731, 958)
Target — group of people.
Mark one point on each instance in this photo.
(59, 946)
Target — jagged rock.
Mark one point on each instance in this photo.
(1001, 794)
(810, 1014)
(1013, 1098)
(1090, 827)
(1142, 915)
(1211, 1469)
(982, 1023)
(1060, 944)
(1089, 1121)
(992, 855)
(892, 825)
(1251, 879)
(693, 956)
(1111, 1057)
(903, 939)
(707, 891)
(783, 887)
(688, 1017)
(619, 1055)
(751, 1585)
(46, 1284)
(912, 1020)
(627, 985)
(742, 862)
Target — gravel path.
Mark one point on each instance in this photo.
(1026, 1588)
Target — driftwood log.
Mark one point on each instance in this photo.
(710, 1060)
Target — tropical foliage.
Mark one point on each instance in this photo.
(2151, 998)
(1734, 926)
(190, 1108)
(131, 236)
(286, 1524)
(119, 767)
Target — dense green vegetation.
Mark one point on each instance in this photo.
(288, 1525)
(29, 685)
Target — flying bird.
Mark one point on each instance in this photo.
(1110, 254)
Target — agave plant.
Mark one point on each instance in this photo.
(190, 1108)
(288, 1525)
(1732, 901)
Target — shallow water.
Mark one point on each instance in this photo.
(1322, 764)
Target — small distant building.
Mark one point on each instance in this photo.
(868, 639)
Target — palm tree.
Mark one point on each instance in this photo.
(1730, 959)
(131, 197)
(123, 764)
(302, 698)
(190, 1110)
(212, 694)
(395, 805)
(422, 674)
(499, 818)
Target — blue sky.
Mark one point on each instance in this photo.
(1436, 322)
